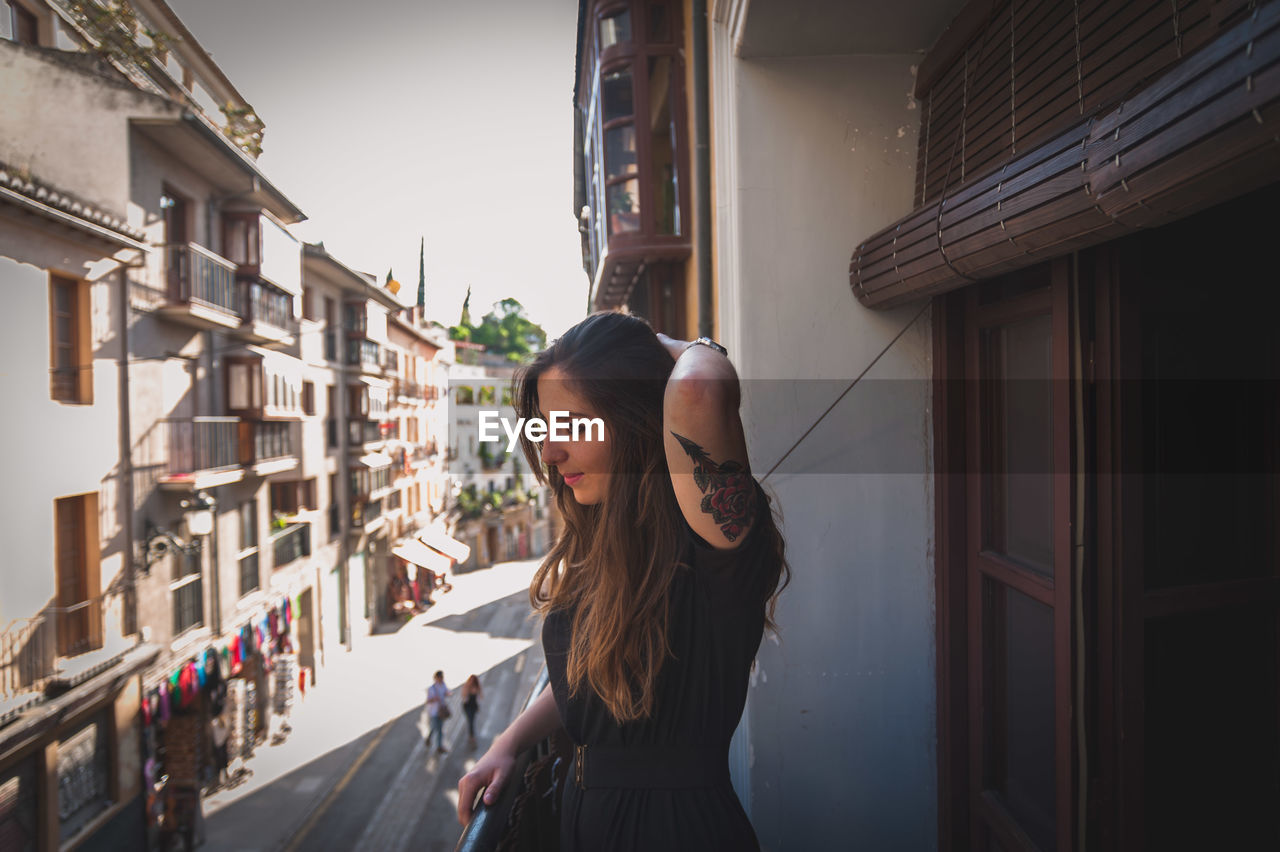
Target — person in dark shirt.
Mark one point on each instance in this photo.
(656, 594)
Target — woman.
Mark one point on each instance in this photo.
(471, 695)
(655, 596)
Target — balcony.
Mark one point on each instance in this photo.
(200, 287)
(54, 651)
(267, 313)
(364, 432)
(203, 452)
(488, 829)
(290, 544)
(269, 446)
(365, 354)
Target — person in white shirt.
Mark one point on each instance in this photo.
(437, 711)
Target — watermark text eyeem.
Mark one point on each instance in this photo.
(561, 427)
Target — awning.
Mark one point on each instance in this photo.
(419, 554)
(376, 460)
(1200, 134)
(445, 543)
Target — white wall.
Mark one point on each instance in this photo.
(51, 449)
(839, 747)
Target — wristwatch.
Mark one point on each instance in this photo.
(707, 341)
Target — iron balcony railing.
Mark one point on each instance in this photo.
(364, 432)
(490, 822)
(268, 440)
(364, 353)
(293, 542)
(202, 443)
(195, 274)
(265, 304)
(31, 650)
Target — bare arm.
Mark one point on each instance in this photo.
(539, 720)
(706, 448)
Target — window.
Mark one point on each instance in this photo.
(290, 498)
(466, 396)
(26, 26)
(309, 304)
(77, 574)
(248, 524)
(487, 396)
(309, 398)
(70, 348)
(187, 588)
(250, 577)
(248, 556)
(84, 770)
(335, 516)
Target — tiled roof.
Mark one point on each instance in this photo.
(47, 196)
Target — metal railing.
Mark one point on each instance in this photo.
(202, 443)
(364, 353)
(30, 648)
(293, 542)
(265, 304)
(330, 345)
(489, 822)
(266, 440)
(195, 274)
(28, 651)
(364, 432)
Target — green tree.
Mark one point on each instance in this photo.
(506, 330)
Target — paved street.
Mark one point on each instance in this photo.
(354, 773)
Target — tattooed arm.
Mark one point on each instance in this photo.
(706, 449)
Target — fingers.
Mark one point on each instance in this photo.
(471, 784)
(495, 787)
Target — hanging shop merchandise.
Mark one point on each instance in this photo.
(228, 680)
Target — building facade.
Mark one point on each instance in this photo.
(217, 393)
(1000, 535)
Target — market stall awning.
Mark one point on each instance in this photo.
(419, 554)
(1203, 132)
(448, 545)
(376, 460)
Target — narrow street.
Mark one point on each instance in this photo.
(355, 773)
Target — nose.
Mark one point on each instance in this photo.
(553, 452)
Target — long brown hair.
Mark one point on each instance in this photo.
(614, 561)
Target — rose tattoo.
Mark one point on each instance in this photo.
(728, 489)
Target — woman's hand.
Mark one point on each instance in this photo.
(675, 348)
(491, 771)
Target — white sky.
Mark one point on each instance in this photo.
(387, 120)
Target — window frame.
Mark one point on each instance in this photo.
(184, 577)
(77, 574)
(78, 388)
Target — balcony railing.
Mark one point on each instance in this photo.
(363, 432)
(364, 353)
(267, 440)
(330, 345)
(202, 443)
(489, 823)
(195, 274)
(31, 650)
(293, 542)
(267, 305)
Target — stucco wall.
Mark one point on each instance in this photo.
(840, 734)
(52, 449)
(82, 146)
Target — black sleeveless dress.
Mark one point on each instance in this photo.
(716, 624)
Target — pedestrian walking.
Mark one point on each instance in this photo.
(471, 695)
(656, 595)
(437, 711)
